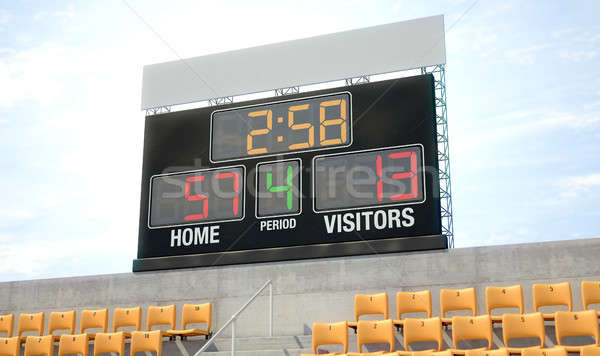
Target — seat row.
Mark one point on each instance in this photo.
(464, 329)
(554, 351)
(122, 318)
(544, 295)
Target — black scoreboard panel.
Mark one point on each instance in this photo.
(336, 172)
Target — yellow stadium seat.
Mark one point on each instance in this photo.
(194, 314)
(590, 294)
(521, 326)
(10, 346)
(496, 352)
(369, 304)
(584, 323)
(457, 299)
(109, 342)
(39, 345)
(61, 321)
(146, 341)
(93, 319)
(7, 324)
(427, 353)
(330, 334)
(30, 322)
(503, 297)
(590, 351)
(471, 328)
(423, 330)
(412, 302)
(73, 344)
(545, 295)
(555, 351)
(164, 315)
(380, 331)
(127, 317)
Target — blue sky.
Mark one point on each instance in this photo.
(523, 81)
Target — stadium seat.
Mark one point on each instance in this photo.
(61, 321)
(423, 330)
(30, 322)
(194, 314)
(164, 315)
(590, 351)
(109, 342)
(127, 317)
(330, 334)
(7, 324)
(73, 344)
(471, 328)
(93, 319)
(146, 341)
(412, 302)
(545, 295)
(583, 323)
(380, 331)
(457, 299)
(503, 297)
(10, 346)
(555, 351)
(496, 352)
(39, 345)
(368, 304)
(590, 294)
(516, 326)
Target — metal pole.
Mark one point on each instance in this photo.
(233, 338)
(271, 309)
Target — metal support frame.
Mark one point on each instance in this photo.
(439, 74)
(287, 91)
(158, 110)
(234, 317)
(358, 80)
(220, 101)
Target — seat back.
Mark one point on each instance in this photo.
(523, 325)
(590, 293)
(31, 322)
(7, 324)
(10, 346)
(164, 315)
(366, 304)
(423, 330)
(123, 317)
(590, 351)
(62, 321)
(496, 352)
(146, 341)
(109, 342)
(583, 323)
(423, 353)
(458, 299)
(330, 334)
(551, 295)
(73, 344)
(555, 351)
(39, 345)
(413, 302)
(196, 313)
(380, 331)
(471, 328)
(504, 297)
(92, 319)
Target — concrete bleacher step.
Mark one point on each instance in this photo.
(267, 346)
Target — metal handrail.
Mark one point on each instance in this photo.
(234, 317)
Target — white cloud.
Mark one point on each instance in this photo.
(5, 18)
(585, 182)
(69, 12)
(579, 55)
(527, 55)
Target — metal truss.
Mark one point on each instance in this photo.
(439, 74)
(220, 101)
(287, 91)
(358, 80)
(158, 110)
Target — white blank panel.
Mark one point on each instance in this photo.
(373, 50)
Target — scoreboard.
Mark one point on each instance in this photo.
(336, 172)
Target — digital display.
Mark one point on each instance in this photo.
(286, 126)
(197, 197)
(368, 179)
(278, 188)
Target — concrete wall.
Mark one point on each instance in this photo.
(315, 290)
